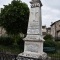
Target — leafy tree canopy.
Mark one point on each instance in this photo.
(14, 17)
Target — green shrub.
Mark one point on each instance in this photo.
(49, 47)
(6, 41)
(50, 44)
(48, 37)
(58, 45)
(20, 42)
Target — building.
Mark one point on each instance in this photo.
(44, 31)
(48, 30)
(0, 10)
(55, 29)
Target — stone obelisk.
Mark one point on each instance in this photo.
(33, 46)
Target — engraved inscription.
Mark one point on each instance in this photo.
(33, 31)
(33, 37)
(34, 23)
(32, 47)
(34, 26)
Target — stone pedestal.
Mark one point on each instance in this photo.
(33, 46)
(33, 50)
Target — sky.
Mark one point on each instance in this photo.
(50, 10)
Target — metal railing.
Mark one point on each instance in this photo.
(55, 56)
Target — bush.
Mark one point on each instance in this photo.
(6, 41)
(49, 47)
(58, 45)
(20, 42)
(48, 37)
(49, 44)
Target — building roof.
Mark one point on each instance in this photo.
(54, 22)
(49, 28)
(58, 31)
(44, 26)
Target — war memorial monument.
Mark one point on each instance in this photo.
(33, 46)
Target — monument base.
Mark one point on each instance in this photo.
(33, 49)
(32, 56)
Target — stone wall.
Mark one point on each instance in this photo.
(55, 29)
(2, 31)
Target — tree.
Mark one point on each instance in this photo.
(14, 17)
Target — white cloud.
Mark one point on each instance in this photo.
(49, 15)
(56, 11)
(50, 10)
(52, 3)
(1, 6)
(4, 2)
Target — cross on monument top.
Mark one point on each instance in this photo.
(36, 1)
